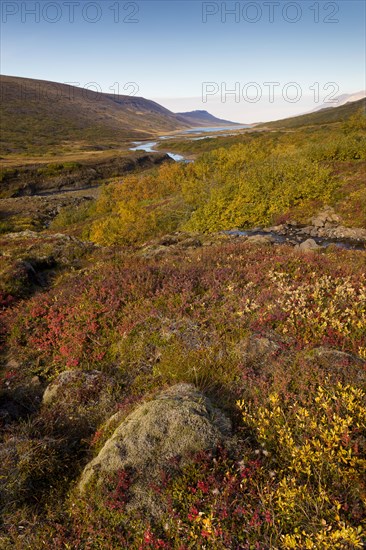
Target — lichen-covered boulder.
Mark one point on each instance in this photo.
(76, 402)
(86, 385)
(174, 426)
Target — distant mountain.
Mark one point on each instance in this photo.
(323, 116)
(38, 114)
(203, 118)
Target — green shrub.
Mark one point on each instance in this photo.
(72, 215)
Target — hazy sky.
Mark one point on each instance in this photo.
(181, 53)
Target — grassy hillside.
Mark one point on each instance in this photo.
(40, 116)
(324, 116)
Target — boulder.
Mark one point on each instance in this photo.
(340, 364)
(261, 348)
(77, 402)
(305, 230)
(276, 229)
(261, 239)
(172, 427)
(72, 382)
(308, 246)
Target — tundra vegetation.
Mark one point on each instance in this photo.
(272, 337)
(261, 179)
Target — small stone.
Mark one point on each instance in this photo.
(12, 364)
(35, 381)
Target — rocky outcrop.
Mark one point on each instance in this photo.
(175, 242)
(29, 260)
(325, 228)
(350, 233)
(262, 347)
(176, 424)
(76, 402)
(324, 232)
(327, 225)
(37, 212)
(335, 232)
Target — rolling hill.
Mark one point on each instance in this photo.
(39, 115)
(342, 100)
(324, 116)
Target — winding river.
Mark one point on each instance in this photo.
(148, 146)
(214, 131)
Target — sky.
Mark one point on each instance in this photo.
(246, 61)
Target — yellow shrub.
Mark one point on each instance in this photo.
(321, 306)
(317, 464)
